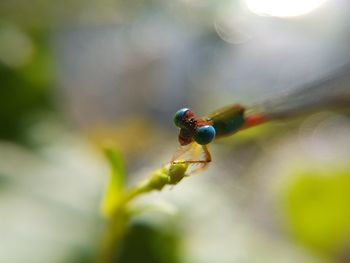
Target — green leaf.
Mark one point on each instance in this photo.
(115, 186)
(316, 210)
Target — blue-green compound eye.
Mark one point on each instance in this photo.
(204, 134)
(179, 115)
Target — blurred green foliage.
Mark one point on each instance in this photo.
(115, 186)
(149, 244)
(123, 241)
(317, 210)
(26, 85)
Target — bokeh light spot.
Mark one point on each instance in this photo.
(283, 8)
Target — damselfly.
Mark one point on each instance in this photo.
(197, 132)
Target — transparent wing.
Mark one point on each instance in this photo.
(330, 91)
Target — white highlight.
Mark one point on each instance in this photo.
(283, 8)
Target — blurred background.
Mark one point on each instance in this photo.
(75, 73)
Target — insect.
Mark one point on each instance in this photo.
(196, 133)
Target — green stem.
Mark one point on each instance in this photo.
(119, 219)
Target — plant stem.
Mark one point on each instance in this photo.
(118, 220)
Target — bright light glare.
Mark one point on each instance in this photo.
(283, 8)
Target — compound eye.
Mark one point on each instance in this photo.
(179, 116)
(204, 134)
